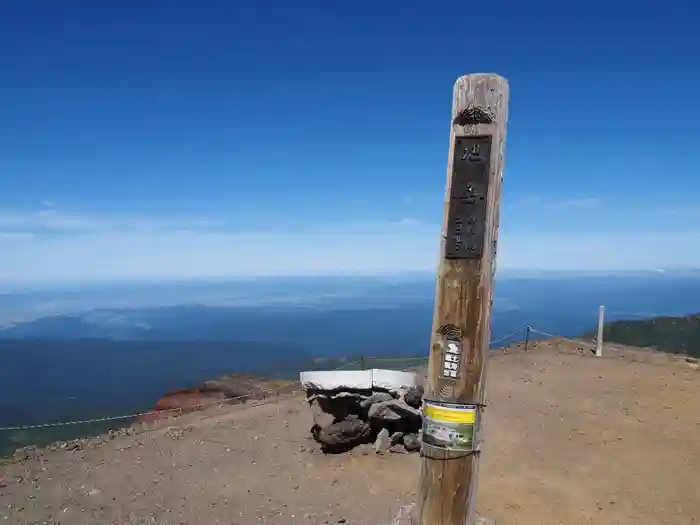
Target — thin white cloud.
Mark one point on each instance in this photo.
(58, 248)
(186, 254)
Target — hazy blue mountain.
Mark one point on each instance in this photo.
(231, 310)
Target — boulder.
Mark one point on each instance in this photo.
(414, 396)
(384, 411)
(339, 405)
(377, 397)
(344, 435)
(395, 410)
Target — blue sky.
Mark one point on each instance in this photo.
(215, 139)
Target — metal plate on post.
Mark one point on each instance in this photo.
(466, 219)
(466, 227)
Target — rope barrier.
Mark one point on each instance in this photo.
(130, 416)
(547, 334)
(226, 400)
(148, 413)
(507, 336)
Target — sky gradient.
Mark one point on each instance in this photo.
(226, 139)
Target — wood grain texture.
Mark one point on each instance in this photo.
(464, 294)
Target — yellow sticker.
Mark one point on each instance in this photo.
(466, 414)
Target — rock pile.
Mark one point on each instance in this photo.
(346, 418)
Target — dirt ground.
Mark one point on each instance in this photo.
(569, 439)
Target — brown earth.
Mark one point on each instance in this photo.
(570, 439)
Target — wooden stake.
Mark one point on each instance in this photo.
(464, 294)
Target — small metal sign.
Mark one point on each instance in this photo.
(451, 351)
(466, 220)
(452, 357)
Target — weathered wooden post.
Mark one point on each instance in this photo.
(454, 396)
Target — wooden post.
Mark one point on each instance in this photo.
(464, 294)
(599, 339)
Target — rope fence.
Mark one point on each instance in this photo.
(134, 415)
(552, 336)
(362, 363)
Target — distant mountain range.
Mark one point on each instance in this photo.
(235, 311)
(91, 353)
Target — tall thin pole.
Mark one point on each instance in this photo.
(454, 394)
(599, 339)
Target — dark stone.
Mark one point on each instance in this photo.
(394, 411)
(384, 411)
(414, 396)
(411, 442)
(344, 435)
(340, 405)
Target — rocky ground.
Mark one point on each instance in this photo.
(569, 439)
